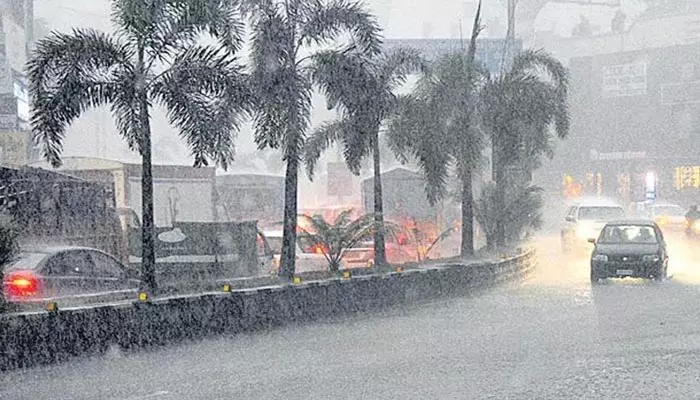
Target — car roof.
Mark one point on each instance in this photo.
(640, 222)
(596, 202)
(53, 249)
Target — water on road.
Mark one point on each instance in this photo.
(551, 336)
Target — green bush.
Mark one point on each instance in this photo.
(522, 214)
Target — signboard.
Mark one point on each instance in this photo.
(339, 180)
(623, 80)
(618, 155)
(489, 52)
(687, 177)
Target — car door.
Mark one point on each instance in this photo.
(111, 278)
(68, 274)
(662, 243)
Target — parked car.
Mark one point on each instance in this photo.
(585, 220)
(309, 257)
(67, 276)
(629, 249)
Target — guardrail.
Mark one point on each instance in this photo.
(48, 337)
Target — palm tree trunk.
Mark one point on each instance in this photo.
(289, 234)
(148, 252)
(467, 247)
(499, 180)
(379, 231)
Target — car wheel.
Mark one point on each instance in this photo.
(595, 278)
(660, 276)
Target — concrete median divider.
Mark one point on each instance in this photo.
(32, 339)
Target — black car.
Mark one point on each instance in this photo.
(629, 249)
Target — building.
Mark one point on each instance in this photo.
(634, 113)
(16, 18)
(180, 193)
(245, 197)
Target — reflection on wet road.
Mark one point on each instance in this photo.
(552, 336)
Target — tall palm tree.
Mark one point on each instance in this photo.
(153, 58)
(285, 35)
(519, 108)
(363, 88)
(438, 126)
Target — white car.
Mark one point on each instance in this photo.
(584, 221)
(669, 216)
(307, 259)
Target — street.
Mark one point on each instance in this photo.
(551, 336)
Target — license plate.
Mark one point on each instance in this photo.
(625, 272)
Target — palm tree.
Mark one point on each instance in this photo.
(521, 215)
(519, 107)
(153, 58)
(364, 88)
(335, 238)
(284, 36)
(438, 127)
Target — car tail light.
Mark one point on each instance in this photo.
(21, 284)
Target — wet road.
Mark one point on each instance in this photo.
(552, 336)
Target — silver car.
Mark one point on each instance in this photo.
(66, 276)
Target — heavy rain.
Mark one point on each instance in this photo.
(343, 199)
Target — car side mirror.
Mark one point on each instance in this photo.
(591, 240)
(569, 218)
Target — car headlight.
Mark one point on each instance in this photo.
(600, 258)
(651, 258)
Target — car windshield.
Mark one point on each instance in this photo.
(669, 211)
(628, 234)
(601, 213)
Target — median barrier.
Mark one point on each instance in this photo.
(37, 338)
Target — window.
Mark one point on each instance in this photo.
(601, 213)
(106, 266)
(628, 234)
(70, 263)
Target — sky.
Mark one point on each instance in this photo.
(95, 134)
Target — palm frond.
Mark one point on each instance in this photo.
(325, 21)
(320, 140)
(395, 66)
(205, 93)
(535, 62)
(343, 77)
(181, 22)
(68, 74)
(134, 17)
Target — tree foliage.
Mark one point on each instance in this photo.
(521, 215)
(336, 237)
(154, 58)
(438, 126)
(283, 78)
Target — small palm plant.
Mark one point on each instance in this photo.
(334, 239)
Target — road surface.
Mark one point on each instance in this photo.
(552, 336)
